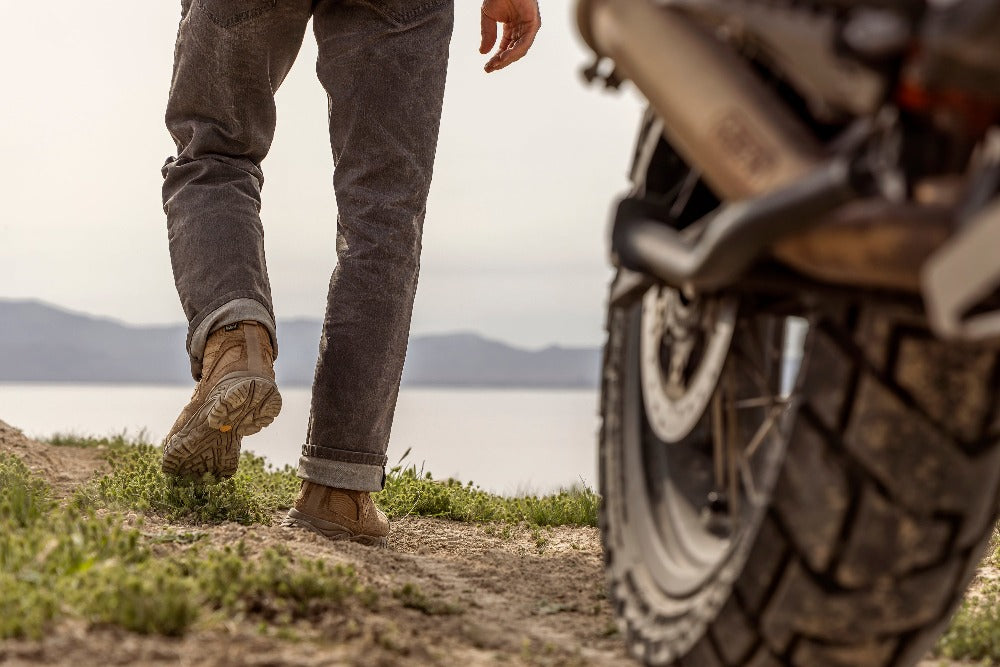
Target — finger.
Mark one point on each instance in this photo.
(489, 31)
(515, 52)
(510, 34)
(508, 37)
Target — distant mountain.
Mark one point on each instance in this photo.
(42, 343)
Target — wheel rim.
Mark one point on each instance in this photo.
(696, 488)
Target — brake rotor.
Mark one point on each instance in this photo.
(683, 350)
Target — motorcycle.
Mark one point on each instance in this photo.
(800, 451)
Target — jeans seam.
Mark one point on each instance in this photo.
(237, 19)
(403, 17)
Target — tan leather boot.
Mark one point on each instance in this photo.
(339, 514)
(236, 396)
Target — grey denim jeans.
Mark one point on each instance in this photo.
(383, 65)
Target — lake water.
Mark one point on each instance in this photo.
(507, 441)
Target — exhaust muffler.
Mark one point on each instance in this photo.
(716, 112)
(781, 193)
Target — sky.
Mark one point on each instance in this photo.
(515, 243)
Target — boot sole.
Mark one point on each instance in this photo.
(210, 441)
(331, 530)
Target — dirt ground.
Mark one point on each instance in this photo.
(513, 602)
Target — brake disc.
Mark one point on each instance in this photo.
(683, 350)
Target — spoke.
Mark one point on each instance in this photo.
(732, 453)
(718, 442)
(761, 402)
(762, 431)
(747, 476)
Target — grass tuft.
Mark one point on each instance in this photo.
(407, 493)
(58, 561)
(136, 482)
(412, 597)
(23, 498)
(116, 441)
(974, 633)
(258, 490)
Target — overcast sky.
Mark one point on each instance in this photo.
(515, 239)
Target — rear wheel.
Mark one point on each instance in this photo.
(753, 519)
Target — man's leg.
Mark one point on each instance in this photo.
(383, 64)
(229, 61)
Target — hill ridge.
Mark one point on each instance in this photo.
(40, 342)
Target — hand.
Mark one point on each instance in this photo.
(521, 21)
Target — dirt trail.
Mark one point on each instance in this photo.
(511, 601)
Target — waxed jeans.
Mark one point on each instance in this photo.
(383, 65)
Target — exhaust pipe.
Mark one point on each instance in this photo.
(735, 236)
(717, 113)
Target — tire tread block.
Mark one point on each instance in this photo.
(950, 383)
(919, 465)
(733, 633)
(812, 496)
(827, 378)
(801, 605)
(701, 655)
(885, 540)
(763, 567)
(814, 654)
(764, 658)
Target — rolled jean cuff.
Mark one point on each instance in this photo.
(236, 310)
(342, 469)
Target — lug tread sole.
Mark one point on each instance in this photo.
(210, 441)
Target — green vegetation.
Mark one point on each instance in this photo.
(136, 482)
(411, 597)
(258, 490)
(407, 492)
(974, 633)
(116, 441)
(68, 561)
(79, 558)
(76, 559)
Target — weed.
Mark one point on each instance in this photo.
(974, 633)
(993, 557)
(412, 597)
(116, 441)
(137, 483)
(257, 490)
(23, 498)
(610, 630)
(69, 561)
(408, 492)
(540, 540)
(549, 608)
(186, 537)
(504, 531)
